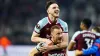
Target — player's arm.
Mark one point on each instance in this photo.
(33, 52)
(70, 46)
(35, 38)
(36, 33)
(36, 49)
(73, 42)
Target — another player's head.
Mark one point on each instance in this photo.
(85, 24)
(96, 29)
(52, 8)
(56, 34)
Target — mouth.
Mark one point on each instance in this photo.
(56, 12)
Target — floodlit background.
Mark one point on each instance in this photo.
(18, 18)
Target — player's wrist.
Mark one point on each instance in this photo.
(37, 49)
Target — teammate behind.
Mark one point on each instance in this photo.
(95, 49)
(41, 31)
(83, 39)
(56, 38)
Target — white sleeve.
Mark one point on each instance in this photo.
(65, 27)
(38, 27)
(74, 36)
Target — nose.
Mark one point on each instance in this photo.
(60, 36)
(57, 9)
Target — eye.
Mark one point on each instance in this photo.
(54, 7)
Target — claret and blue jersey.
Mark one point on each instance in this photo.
(44, 25)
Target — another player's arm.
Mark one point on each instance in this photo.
(73, 42)
(35, 38)
(89, 51)
(71, 45)
(36, 33)
(33, 52)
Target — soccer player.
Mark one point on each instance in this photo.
(41, 31)
(83, 39)
(95, 49)
(56, 38)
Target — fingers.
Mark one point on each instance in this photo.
(42, 49)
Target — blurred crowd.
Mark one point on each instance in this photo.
(18, 17)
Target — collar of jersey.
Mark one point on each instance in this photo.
(51, 21)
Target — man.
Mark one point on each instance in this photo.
(83, 39)
(95, 49)
(56, 38)
(41, 31)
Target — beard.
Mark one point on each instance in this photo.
(57, 41)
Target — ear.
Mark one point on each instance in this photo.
(48, 10)
(84, 25)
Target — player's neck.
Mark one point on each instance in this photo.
(53, 19)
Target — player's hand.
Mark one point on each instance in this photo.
(46, 48)
(78, 52)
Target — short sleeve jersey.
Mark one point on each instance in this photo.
(83, 39)
(44, 25)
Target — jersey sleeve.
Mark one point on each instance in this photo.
(65, 28)
(75, 36)
(39, 26)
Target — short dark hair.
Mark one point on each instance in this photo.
(87, 22)
(55, 27)
(49, 3)
(97, 29)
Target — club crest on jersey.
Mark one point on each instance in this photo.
(38, 26)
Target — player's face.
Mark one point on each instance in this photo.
(81, 25)
(53, 10)
(56, 35)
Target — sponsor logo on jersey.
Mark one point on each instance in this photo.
(56, 54)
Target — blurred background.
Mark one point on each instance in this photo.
(18, 17)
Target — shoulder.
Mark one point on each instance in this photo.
(98, 34)
(62, 22)
(43, 20)
(77, 33)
